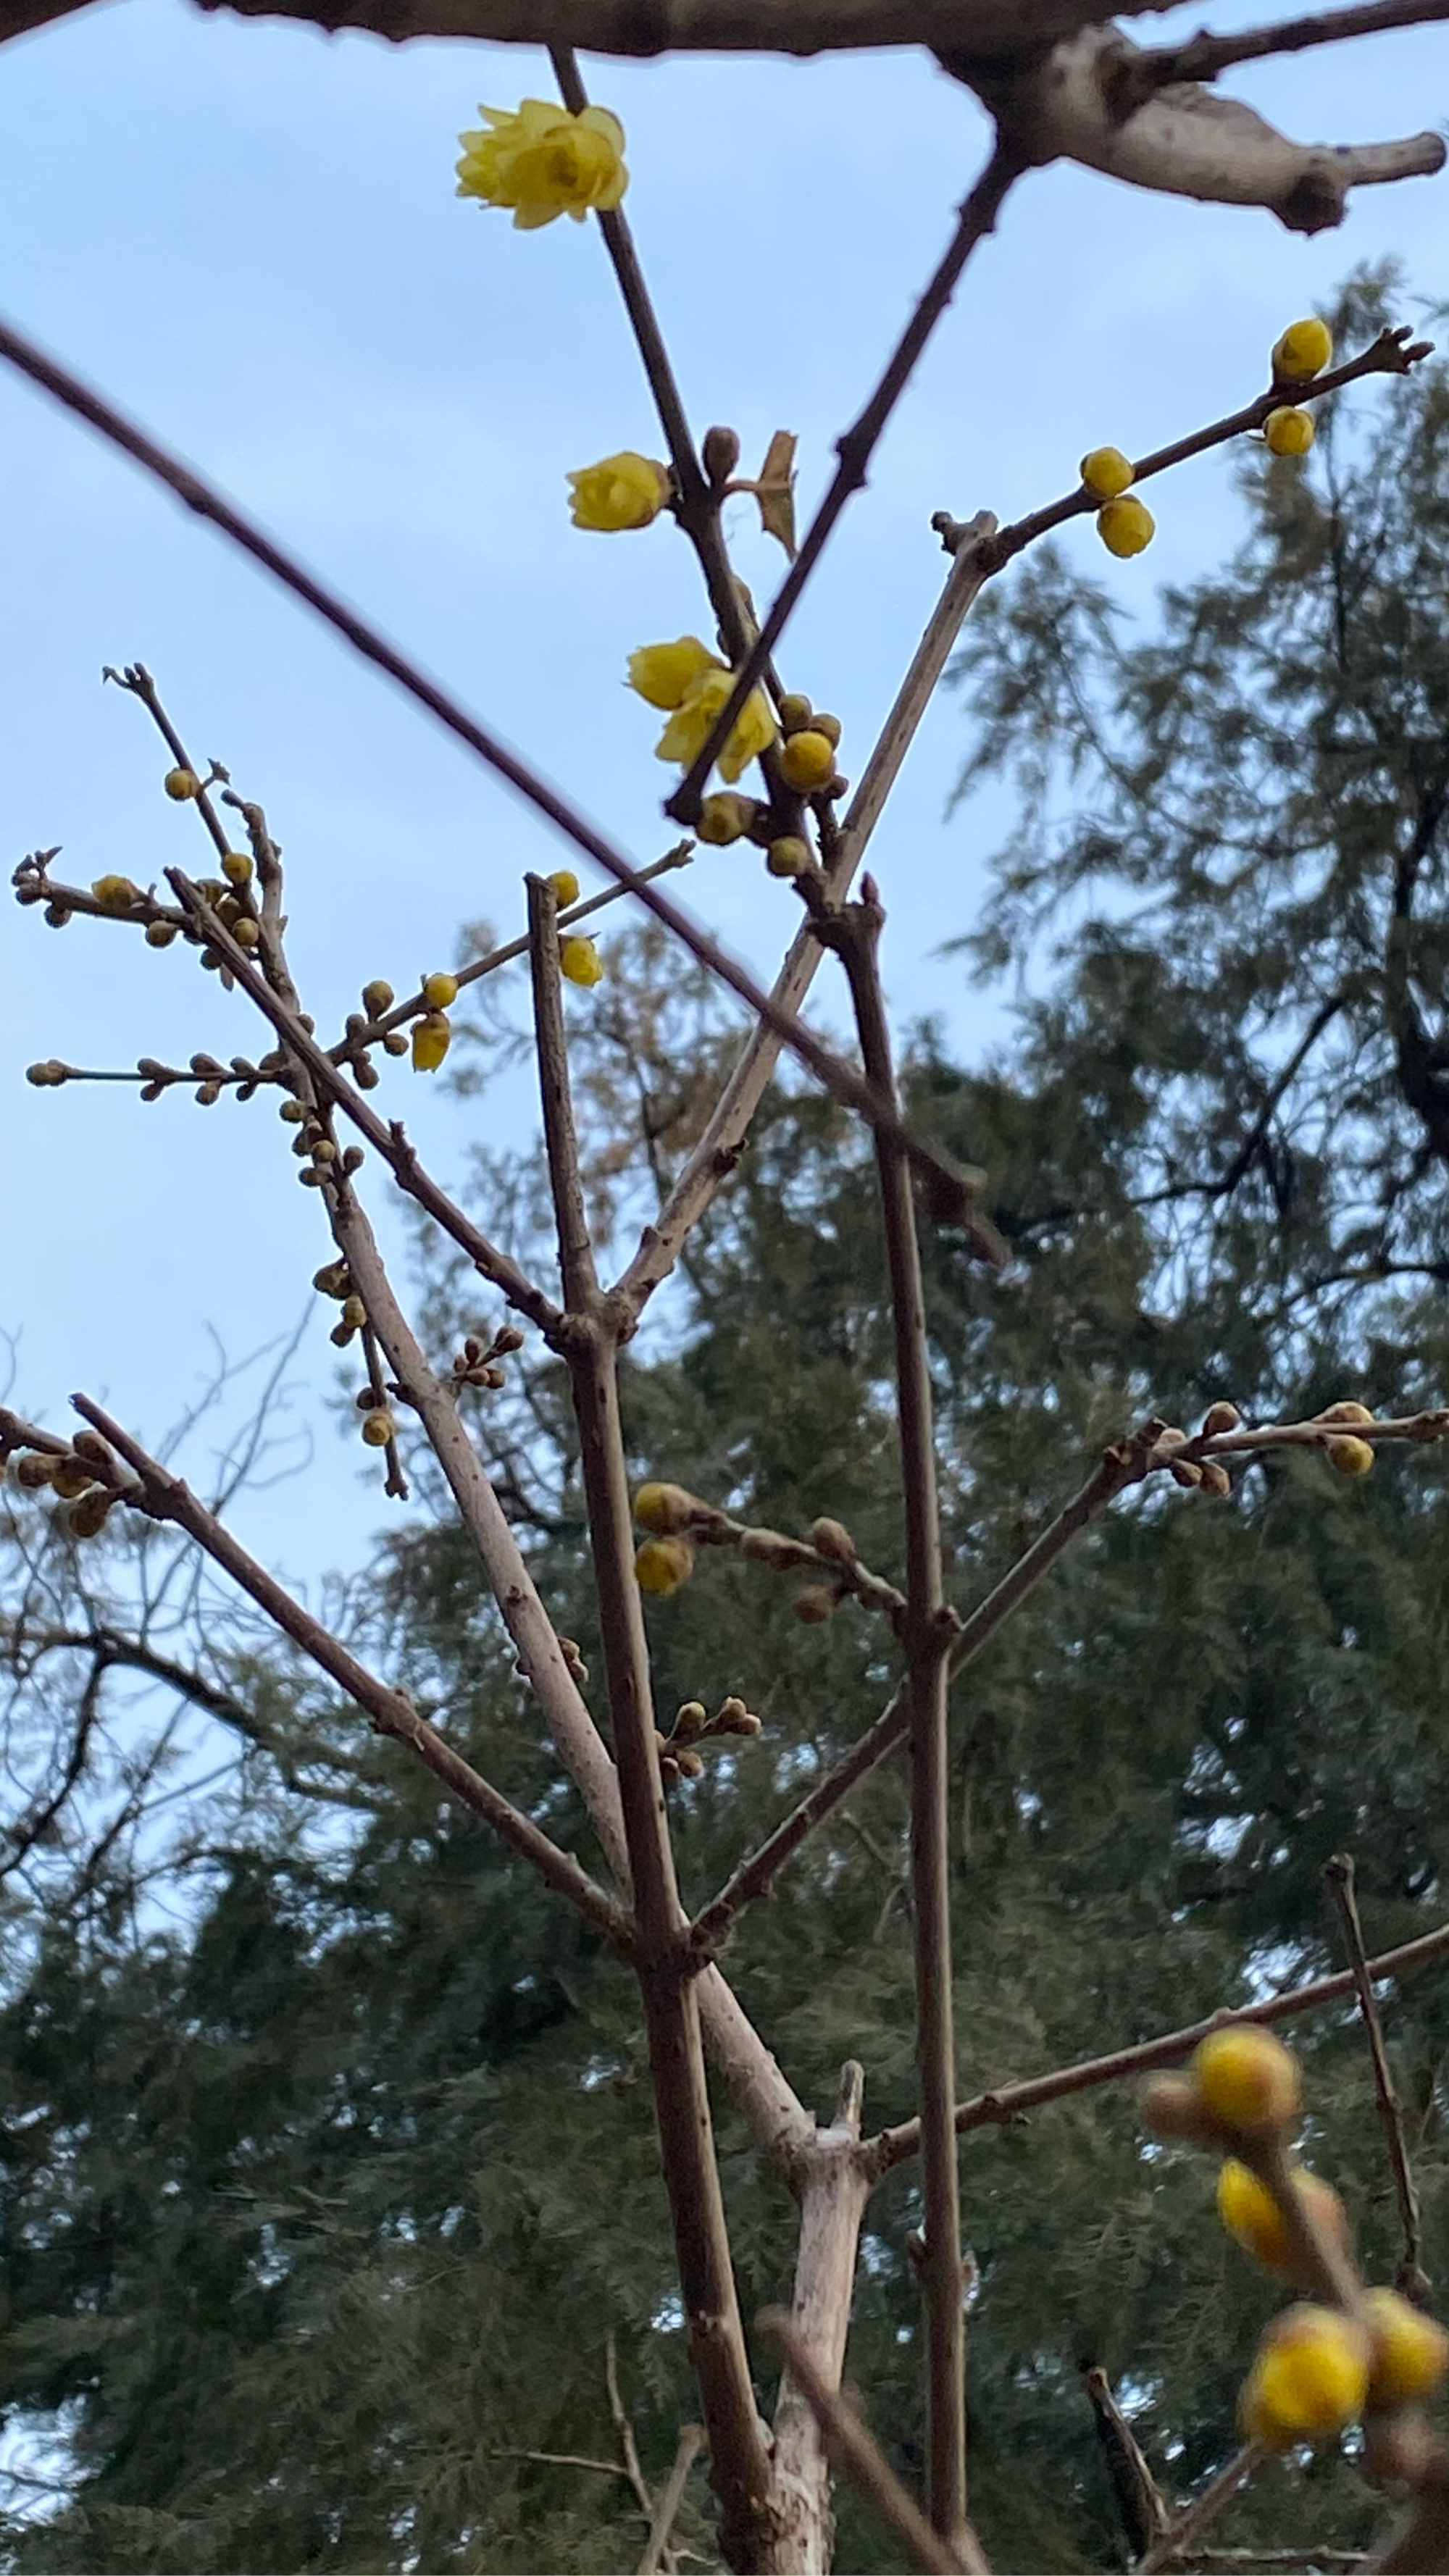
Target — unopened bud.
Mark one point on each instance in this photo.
(720, 449)
(814, 1606)
(377, 997)
(35, 1470)
(773, 1548)
(87, 1517)
(832, 1539)
(690, 1720)
(1184, 1471)
(1218, 1418)
(1215, 1479)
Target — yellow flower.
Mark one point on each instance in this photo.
(807, 760)
(663, 674)
(662, 1564)
(1308, 2380)
(565, 887)
(1246, 2078)
(688, 729)
(623, 491)
(432, 1037)
(1125, 525)
(1106, 472)
(439, 990)
(1288, 431)
(1254, 2220)
(1304, 350)
(580, 961)
(1410, 2351)
(543, 162)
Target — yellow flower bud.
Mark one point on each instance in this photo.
(543, 162)
(432, 1037)
(181, 784)
(663, 674)
(115, 894)
(377, 997)
(1308, 2380)
(662, 1564)
(159, 934)
(354, 1312)
(623, 491)
(1125, 525)
(1304, 350)
(1106, 472)
(725, 818)
(1409, 2352)
(1254, 2220)
(665, 1510)
(1288, 431)
(580, 961)
(1246, 2078)
(1347, 1410)
(796, 712)
(565, 887)
(439, 990)
(807, 760)
(378, 1427)
(246, 932)
(788, 857)
(1351, 1457)
(689, 727)
(236, 866)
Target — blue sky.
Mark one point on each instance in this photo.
(247, 233)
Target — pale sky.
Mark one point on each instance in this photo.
(247, 234)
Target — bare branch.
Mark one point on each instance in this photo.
(165, 1497)
(671, 2496)
(1338, 1872)
(1218, 2492)
(1011, 2102)
(927, 1630)
(857, 2454)
(1203, 56)
(976, 218)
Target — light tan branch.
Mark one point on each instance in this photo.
(857, 2454)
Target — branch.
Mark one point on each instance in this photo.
(1089, 102)
(855, 2452)
(1203, 56)
(955, 1188)
(164, 1497)
(22, 1837)
(1338, 1873)
(975, 219)
(739, 2460)
(1218, 2492)
(927, 1632)
(1120, 1466)
(833, 2187)
(1011, 2102)
(671, 2496)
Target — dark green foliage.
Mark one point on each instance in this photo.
(319, 2204)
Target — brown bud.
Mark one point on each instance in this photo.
(720, 449)
(56, 915)
(90, 1445)
(509, 1339)
(796, 712)
(377, 997)
(1172, 2108)
(832, 1539)
(324, 1151)
(334, 1279)
(1215, 1479)
(1184, 1471)
(365, 1074)
(1218, 1418)
(814, 1606)
(342, 1334)
(688, 1762)
(749, 1724)
(829, 726)
(35, 1470)
(1348, 1411)
(70, 1477)
(87, 1516)
(690, 1720)
(159, 934)
(352, 1160)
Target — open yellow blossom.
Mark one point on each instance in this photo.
(543, 162)
(663, 674)
(623, 491)
(688, 729)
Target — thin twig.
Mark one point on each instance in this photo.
(1218, 2492)
(927, 1632)
(1140, 2503)
(1121, 1465)
(619, 2417)
(955, 1188)
(975, 219)
(671, 2496)
(1011, 2102)
(165, 1497)
(1339, 1875)
(1203, 56)
(857, 2454)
